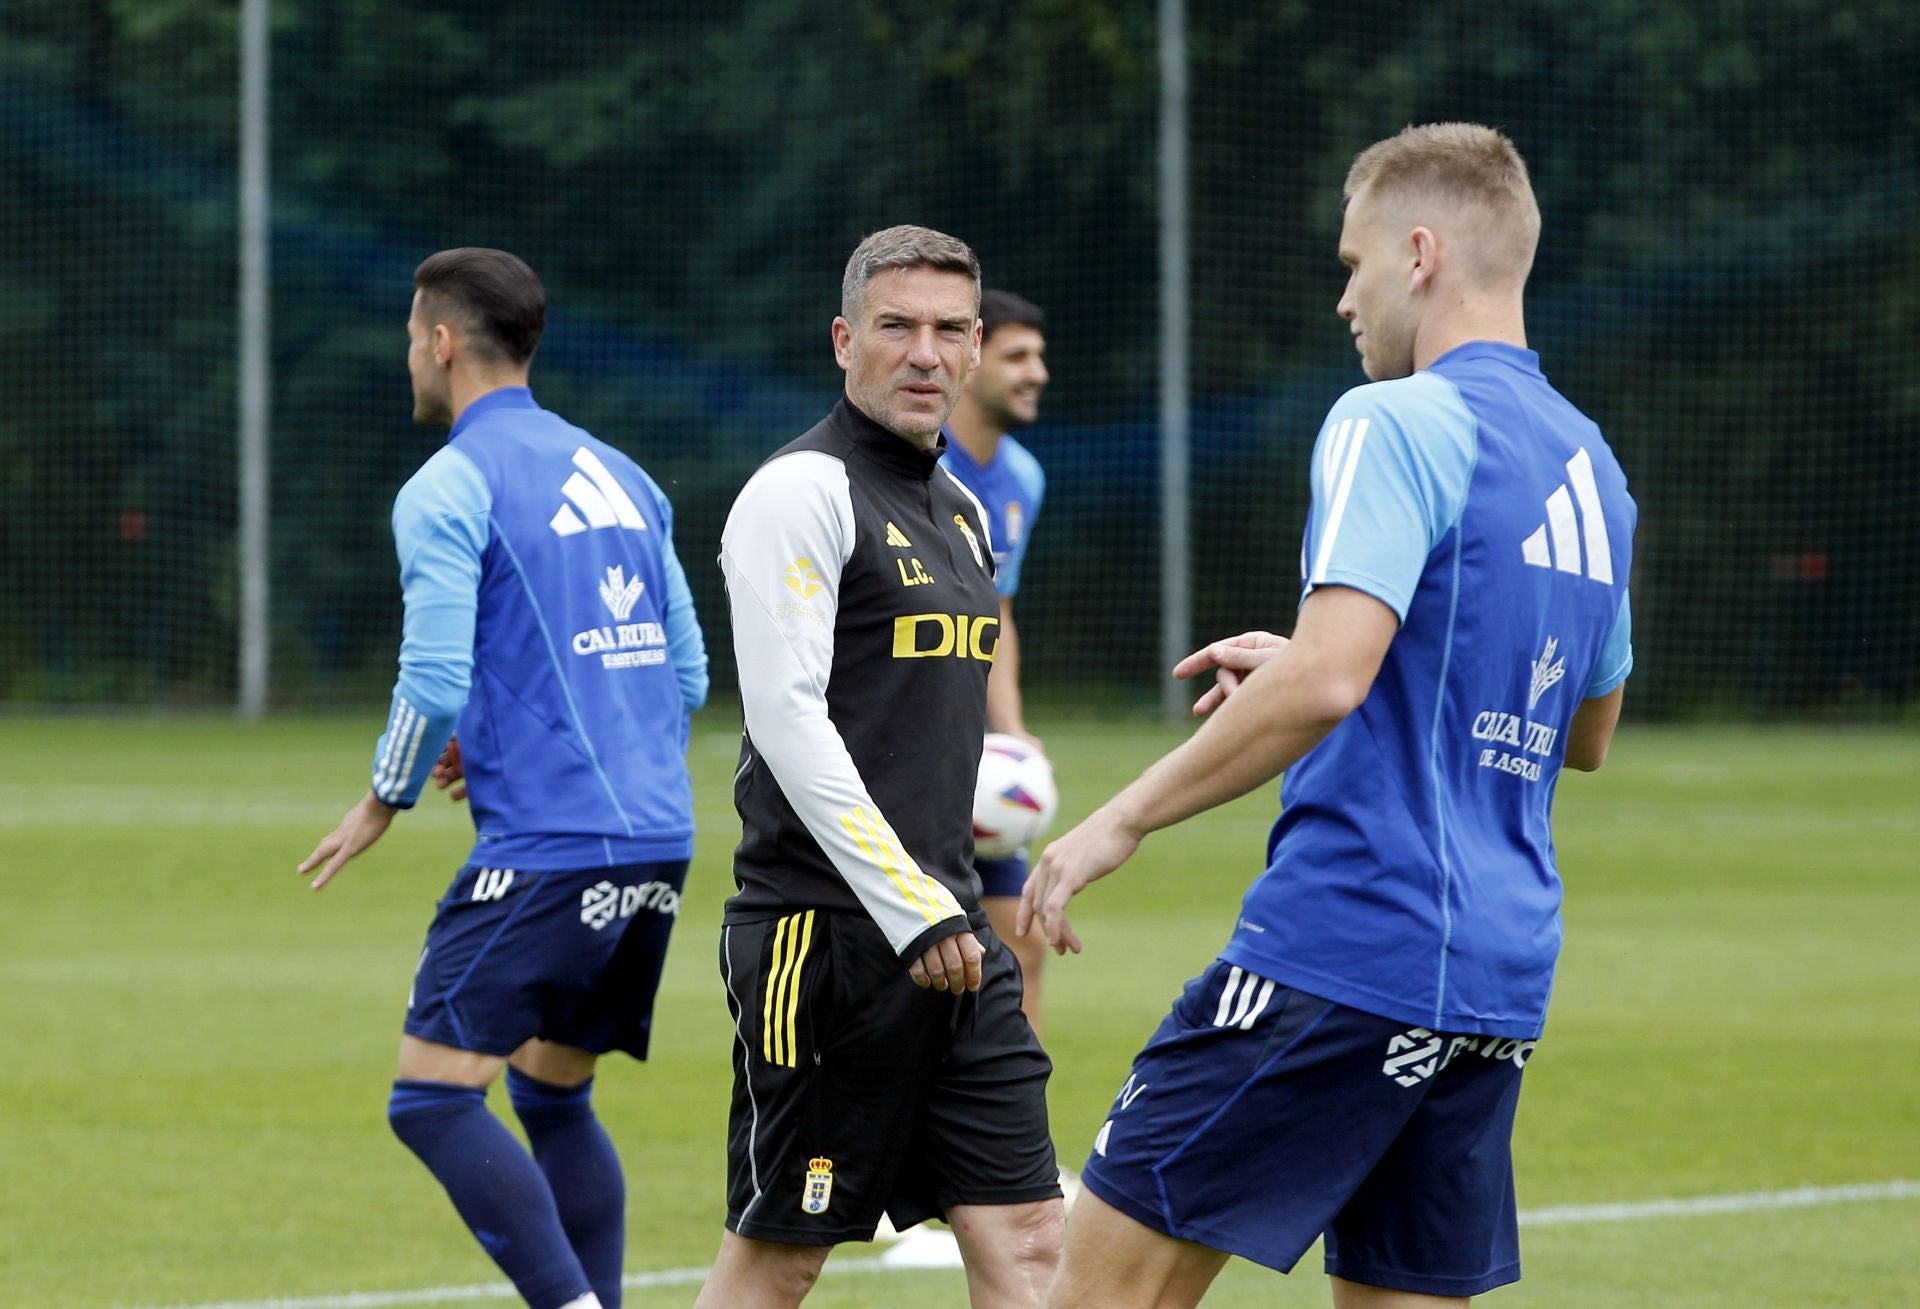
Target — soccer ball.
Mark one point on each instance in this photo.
(1014, 799)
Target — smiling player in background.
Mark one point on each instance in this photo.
(1002, 396)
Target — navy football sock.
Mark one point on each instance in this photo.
(498, 1190)
(583, 1169)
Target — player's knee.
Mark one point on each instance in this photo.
(1034, 1235)
(1041, 1245)
(539, 1103)
(794, 1272)
(420, 1111)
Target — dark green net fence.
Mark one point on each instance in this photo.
(1729, 282)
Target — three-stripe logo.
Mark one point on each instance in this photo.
(1242, 1000)
(594, 492)
(792, 938)
(1556, 543)
(404, 732)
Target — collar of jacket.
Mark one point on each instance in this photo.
(886, 448)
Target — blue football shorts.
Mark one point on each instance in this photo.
(1002, 877)
(1259, 1118)
(572, 957)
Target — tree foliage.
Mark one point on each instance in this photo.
(1727, 282)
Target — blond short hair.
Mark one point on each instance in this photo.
(1459, 165)
(905, 247)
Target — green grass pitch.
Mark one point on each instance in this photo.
(197, 1050)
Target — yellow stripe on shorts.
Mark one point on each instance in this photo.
(792, 938)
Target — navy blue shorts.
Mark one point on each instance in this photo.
(1260, 1117)
(573, 957)
(1002, 877)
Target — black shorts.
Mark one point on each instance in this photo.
(856, 1092)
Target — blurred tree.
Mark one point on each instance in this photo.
(1728, 282)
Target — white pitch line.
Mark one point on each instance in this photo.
(1742, 1202)
(1747, 1202)
(490, 1290)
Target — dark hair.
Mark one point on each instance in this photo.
(493, 294)
(1000, 309)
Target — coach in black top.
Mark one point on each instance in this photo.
(882, 1061)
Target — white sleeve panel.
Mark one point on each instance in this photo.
(786, 541)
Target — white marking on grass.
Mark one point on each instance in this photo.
(150, 806)
(1740, 1202)
(491, 1290)
(1745, 1202)
(91, 806)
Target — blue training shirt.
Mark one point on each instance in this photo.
(1009, 489)
(549, 621)
(1411, 873)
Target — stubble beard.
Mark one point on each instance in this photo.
(890, 411)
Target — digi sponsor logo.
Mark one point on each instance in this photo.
(1412, 1056)
(603, 902)
(1417, 1053)
(935, 636)
(819, 1189)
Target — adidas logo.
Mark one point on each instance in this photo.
(897, 538)
(1556, 542)
(593, 492)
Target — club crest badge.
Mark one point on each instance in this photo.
(819, 1191)
(973, 542)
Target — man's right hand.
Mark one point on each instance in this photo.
(950, 964)
(1231, 660)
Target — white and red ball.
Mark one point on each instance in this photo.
(1015, 798)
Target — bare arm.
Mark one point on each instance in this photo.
(1592, 730)
(1005, 712)
(1281, 709)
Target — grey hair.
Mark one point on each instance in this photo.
(904, 247)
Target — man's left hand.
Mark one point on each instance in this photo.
(363, 824)
(449, 770)
(950, 964)
(1083, 856)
